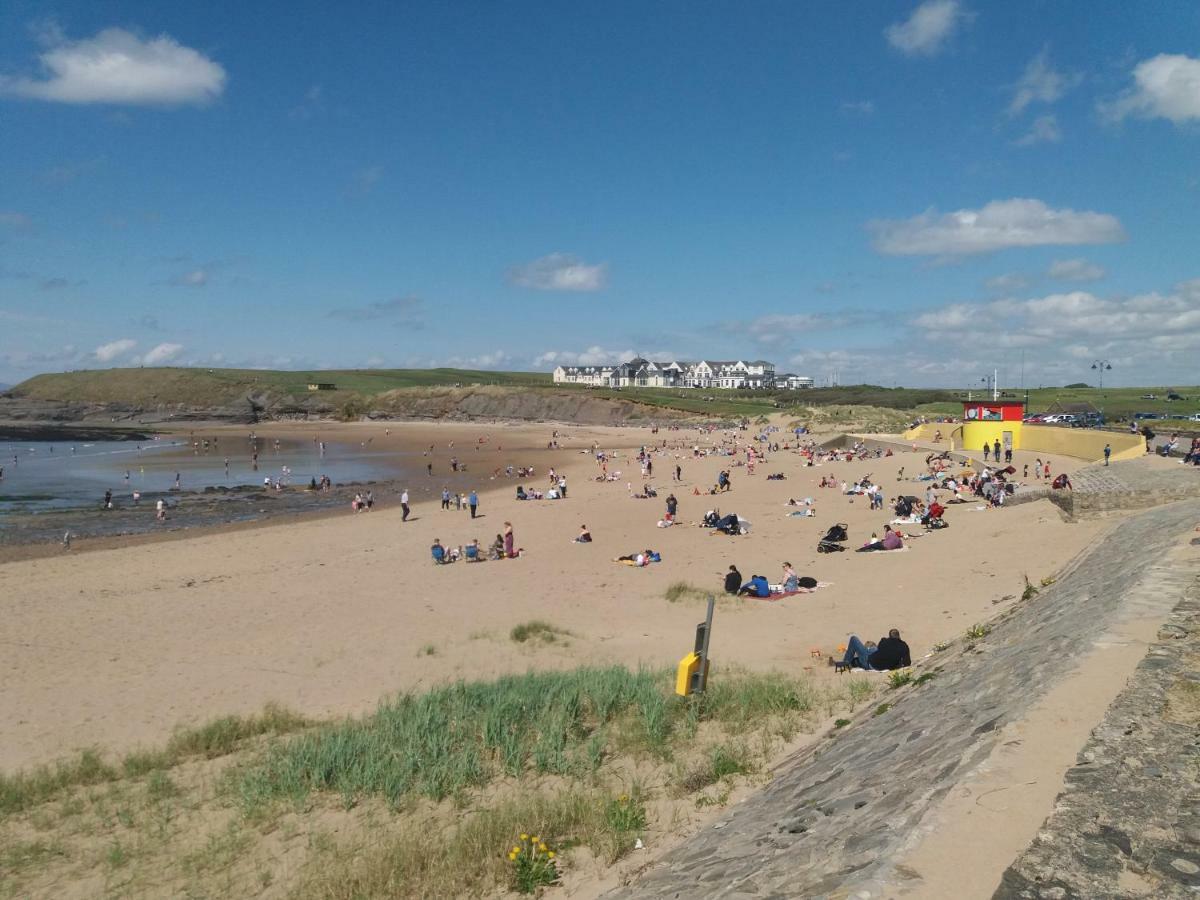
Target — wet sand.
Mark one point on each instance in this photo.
(117, 647)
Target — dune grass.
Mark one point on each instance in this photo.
(537, 630)
(25, 789)
(467, 860)
(681, 591)
(422, 798)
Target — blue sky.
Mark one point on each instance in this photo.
(893, 192)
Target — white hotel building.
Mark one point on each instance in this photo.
(638, 372)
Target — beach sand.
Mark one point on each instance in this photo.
(117, 647)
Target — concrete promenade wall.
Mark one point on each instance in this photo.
(1083, 443)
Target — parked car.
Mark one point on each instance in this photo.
(1194, 417)
(1174, 396)
(1145, 415)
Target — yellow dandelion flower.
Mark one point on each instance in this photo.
(551, 854)
(524, 837)
(536, 839)
(543, 848)
(512, 856)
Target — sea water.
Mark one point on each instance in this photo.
(53, 475)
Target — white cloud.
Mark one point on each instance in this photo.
(1044, 130)
(592, 356)
(998, 225)
(861, 107)
(1075, 270)
(117, 66)
(779, 328)
(114, 349)
(927, 29)
(560, 272)
(194, 278)
(1007, 283)
(1140, 329)
(1041, 83)
(12, 219)
(160, 354)
(1166, 86)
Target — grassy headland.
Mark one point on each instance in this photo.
(399, 391)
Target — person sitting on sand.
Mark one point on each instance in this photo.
(757, 586)
(471, 552)
(496, 551)
(891, 653)
(585, 536)
(891, 541)
(521, 495)
(438, 552)
(733, 580)
(1062, 482)
(791, 580)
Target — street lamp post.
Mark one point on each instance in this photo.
(1101, 366)
(991, 382)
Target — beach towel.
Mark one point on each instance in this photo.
(777, 592)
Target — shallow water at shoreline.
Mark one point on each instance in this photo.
(51, 487)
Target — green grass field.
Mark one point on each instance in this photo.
(213, 387)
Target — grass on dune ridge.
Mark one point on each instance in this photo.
(465, 735)
(426, 794)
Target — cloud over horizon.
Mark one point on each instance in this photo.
(560, 272)
(113, 349)
(118, 67)
(1001, 224)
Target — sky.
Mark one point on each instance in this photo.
(895, 193)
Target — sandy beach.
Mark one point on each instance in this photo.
(117, 647)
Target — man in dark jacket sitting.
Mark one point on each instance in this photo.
(891, 653)
(733, 580)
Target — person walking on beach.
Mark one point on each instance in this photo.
(996, 451)
(986, 450)
(473, 502)
(445, 498)
(1107, 453)
(678, 473)
(404, 505)
(1037, 468)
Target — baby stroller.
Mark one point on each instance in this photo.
(832, 542)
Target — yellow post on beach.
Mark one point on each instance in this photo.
(691, 676)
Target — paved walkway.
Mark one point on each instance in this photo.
(1132, 484)
(836, 817)
(1127, 823)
